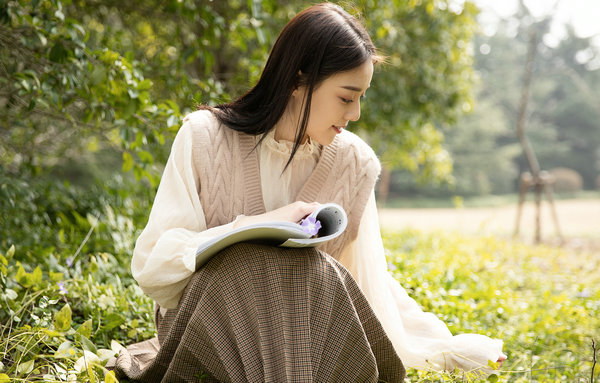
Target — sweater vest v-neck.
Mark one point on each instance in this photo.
(227, 167)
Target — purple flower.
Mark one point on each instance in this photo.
(69, 261)
(61, 287)
(310, 225)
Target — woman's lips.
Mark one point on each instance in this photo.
(338, 129)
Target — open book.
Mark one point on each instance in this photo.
(332, 218)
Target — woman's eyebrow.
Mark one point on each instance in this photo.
(352, 88)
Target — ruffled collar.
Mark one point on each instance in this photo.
(310, 148)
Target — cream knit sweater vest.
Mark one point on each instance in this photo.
(228, 175)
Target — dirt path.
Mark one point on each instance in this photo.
(577, 218)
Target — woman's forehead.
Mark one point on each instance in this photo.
(356, 80)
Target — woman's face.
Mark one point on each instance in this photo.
(336, 101)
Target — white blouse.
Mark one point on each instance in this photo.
(164, 256)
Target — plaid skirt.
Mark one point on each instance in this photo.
(256, 313)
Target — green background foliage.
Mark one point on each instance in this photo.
(103, 77)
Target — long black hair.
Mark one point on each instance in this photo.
(318, 42)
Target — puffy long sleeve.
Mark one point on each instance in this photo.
(164, 255)
(421, 339)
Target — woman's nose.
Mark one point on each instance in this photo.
(354, 112)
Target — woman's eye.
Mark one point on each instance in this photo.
(345, 100)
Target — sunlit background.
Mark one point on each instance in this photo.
(561, 122)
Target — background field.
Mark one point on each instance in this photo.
(542, 300)
(578, 219)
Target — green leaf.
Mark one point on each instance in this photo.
(105, 354)
(58, 53)
(144, 85)
(493, 365)
(86, 328)
(36, 276)
(50, 333)
(173, 120)
(145, 156)
(492, 378)
(113, 320)
(65, 350)
(5, 379)
(87, 344)
(109, 377)
(59, 15)
(22, 277)
(25, 368)
(116, 347)
(62, 319)
(127, 162)
(83, 363)
(55, 277)
(10, 252)
(10, 294)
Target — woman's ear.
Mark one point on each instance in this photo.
(300, 79)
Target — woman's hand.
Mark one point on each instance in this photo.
(293, 212)
(501, 359)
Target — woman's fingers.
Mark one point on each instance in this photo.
(293, 212)
(501, 359)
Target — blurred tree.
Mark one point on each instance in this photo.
(481, 164)
(564, 105)
(562, 118)
(84, 75)
(424, 86)
(61, 96)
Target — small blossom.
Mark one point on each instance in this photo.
(61, 287)
(310, 225)
(69, 261)
(585, 293)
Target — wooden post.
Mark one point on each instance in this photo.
(524, 184)
(540, 180)
(548, 181)
(538, 186)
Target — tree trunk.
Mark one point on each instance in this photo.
(383, 188)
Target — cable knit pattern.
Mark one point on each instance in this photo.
(346, 174)
(229, 173)
(217, 156)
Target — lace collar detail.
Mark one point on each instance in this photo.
(308, 149)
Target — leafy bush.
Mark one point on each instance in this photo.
(67, 294)
(59, 320)
(566, 180)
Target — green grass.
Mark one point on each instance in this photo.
(544, 302)
(476, 201)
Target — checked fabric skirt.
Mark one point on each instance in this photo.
(256, 313)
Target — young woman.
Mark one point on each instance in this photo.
(260, 313)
